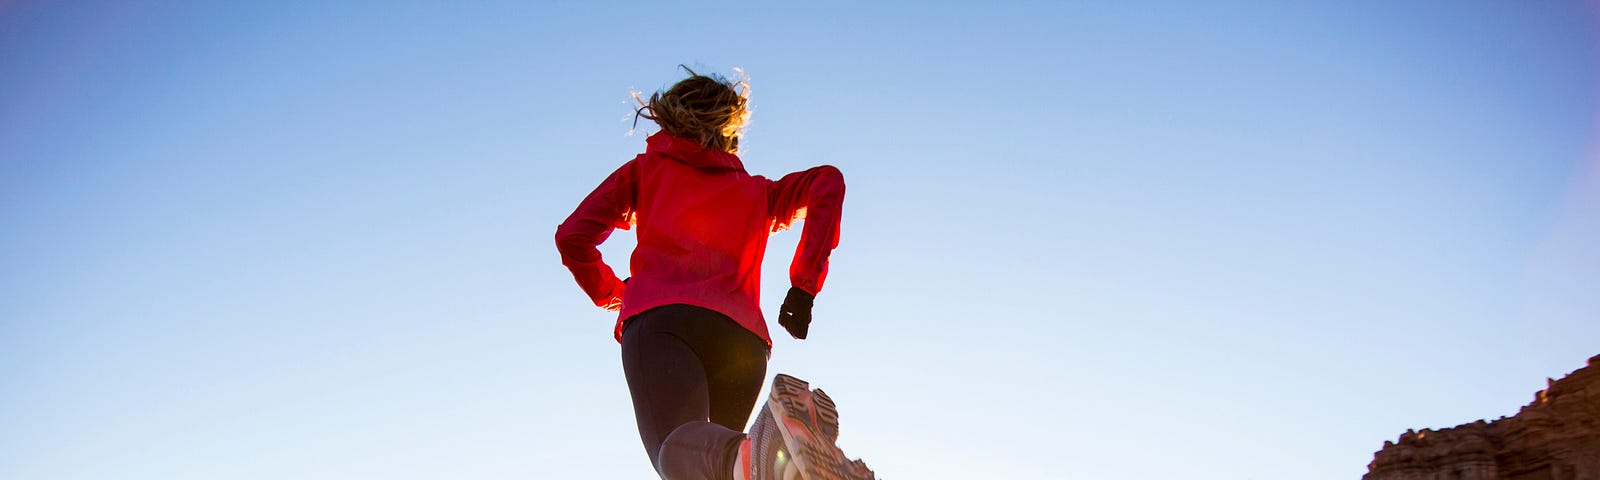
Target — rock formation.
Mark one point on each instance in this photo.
(1557, 437)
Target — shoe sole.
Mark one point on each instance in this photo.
(793, 399)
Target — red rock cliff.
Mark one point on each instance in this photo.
(1557, 437)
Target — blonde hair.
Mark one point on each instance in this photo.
(707, 109)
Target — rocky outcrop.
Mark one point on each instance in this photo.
(1557, 437)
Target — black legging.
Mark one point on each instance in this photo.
(686, 365)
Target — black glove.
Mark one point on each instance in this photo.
(795, 314)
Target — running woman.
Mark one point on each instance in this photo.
(694, 342)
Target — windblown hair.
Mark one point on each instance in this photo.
(708, 109)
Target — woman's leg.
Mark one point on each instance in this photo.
(665, 379)
(694, 376)
(736, 371)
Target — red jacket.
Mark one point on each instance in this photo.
(703, 226)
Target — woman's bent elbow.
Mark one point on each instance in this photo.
(570, 242)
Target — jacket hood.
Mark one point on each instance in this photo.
(691, 153)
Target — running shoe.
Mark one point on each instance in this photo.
(794, 437)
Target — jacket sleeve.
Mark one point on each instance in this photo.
(817, 197)
(610, 206)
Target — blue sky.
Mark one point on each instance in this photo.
(1166, 240)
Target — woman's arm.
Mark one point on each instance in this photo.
(815, 195)
(610, 206)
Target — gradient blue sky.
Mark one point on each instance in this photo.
(1247, 240)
